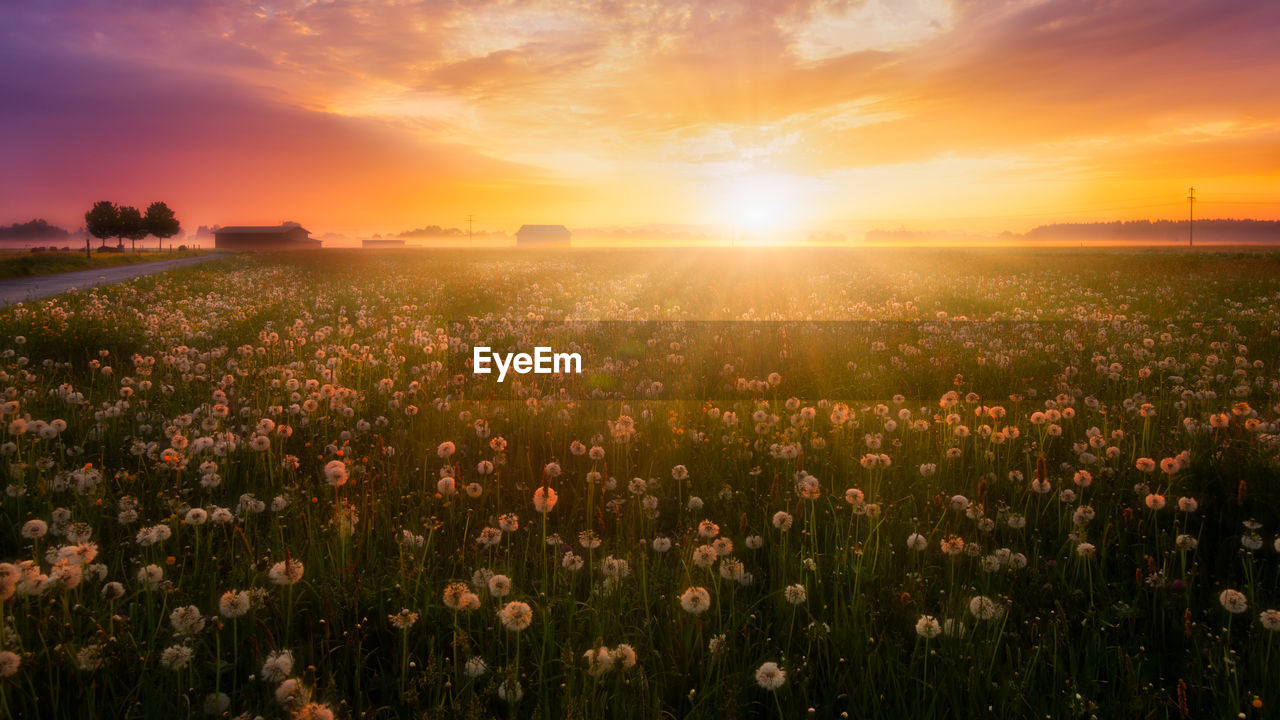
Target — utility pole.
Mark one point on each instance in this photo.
(469, 229)
(1191, 217)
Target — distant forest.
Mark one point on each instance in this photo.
(1217, 231)
(37, 229)
(1132, 231)
(437, 232)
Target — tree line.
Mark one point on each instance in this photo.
(38, 229)
(125, 222)
(1220, 230)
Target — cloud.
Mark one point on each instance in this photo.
(832, 28)
(593, 105)
(78, 129)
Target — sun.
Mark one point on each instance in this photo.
(759, 203)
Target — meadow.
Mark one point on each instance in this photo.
(24, 263)
(791, 483)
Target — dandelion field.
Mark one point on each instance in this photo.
(789, 483)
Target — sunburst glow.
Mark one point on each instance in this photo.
(760, 203)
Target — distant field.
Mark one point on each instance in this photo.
(22, 263)
(820, 483)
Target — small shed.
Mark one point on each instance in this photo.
(543, 236)
(374, 243)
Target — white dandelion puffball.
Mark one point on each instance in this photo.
(9, 663)
(475, 667)
(1233, 601)
(516, 616)
(770, 676)
(499, 585)
(233, 603)
(1270, 620)
(277, 666)
(286, 572)
(335, 473)
(695, 600)
(795, 594)
(928, 627)
(782, 520)
(511, 691)
(544, 499)
(984, 608)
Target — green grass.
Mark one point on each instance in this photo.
(15, 264)
(174, 389)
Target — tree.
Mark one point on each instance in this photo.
(103, 220)
(160, 222)
(131, 225)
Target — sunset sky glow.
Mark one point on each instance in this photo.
(771, 115)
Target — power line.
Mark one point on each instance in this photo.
(1191, 216)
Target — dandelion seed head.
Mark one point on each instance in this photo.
(770, 677)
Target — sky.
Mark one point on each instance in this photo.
(768, 116)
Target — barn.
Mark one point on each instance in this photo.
(285, 236)
(543, 236)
